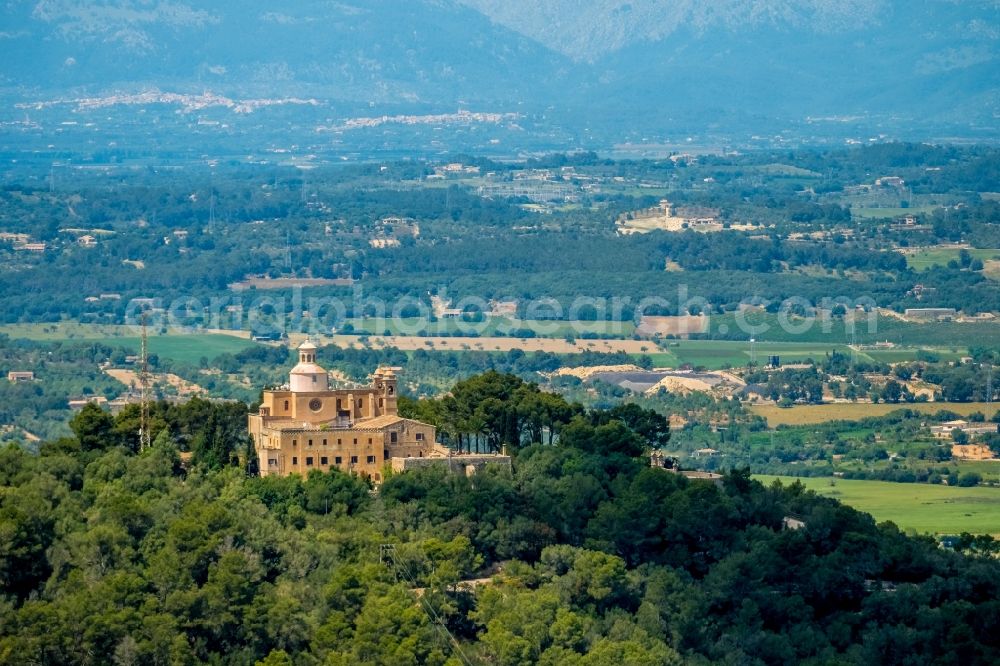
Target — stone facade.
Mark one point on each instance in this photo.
(306, 425)
(463, 463)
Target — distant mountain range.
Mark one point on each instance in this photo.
(587, 31)
(647, 63)
(371, 50)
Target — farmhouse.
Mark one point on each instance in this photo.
(660, 461)
(80, 403)
(929, 314)
(945, 430)
(15, 377)
(889, 181)
(790, 523)
(31, 247)
(15, 239)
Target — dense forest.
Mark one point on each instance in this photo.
(581, 554)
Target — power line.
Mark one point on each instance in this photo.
(989, 387)
(387, 555)
(144, 435)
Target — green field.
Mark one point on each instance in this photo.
(785, 170)
(188, 349)
(924, 259)
(924, 508)
(948, 335)
(947, 340)
(67, 331)
(184, 348)
(880, 213)
(492, 326)
(662, 359)
(715, 354)
(850, 411)
(191, 348)
(903, 354)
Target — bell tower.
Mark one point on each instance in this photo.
(387, 386)
(307, 352)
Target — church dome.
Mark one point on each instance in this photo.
(307, 376)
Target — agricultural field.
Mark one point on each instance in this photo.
(491, 326)
(849, 411)
(502, 344)
(661, 359)
(925, 258)
(768, 327)
(786, 171)
(554, 336)
(191, 348)
(922, 508)
(176, 346)
(67, 331)
(904, 354)
(717, 354)
(70, 330)
(874, 213)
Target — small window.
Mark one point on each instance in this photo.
(339, 442)
(371, 460)
(324, 442)
(354, 460)
(355, 440)
(294, 442)
(286, 405)
(393, 437)
(309, 461)
(324, 461)
(295, 460)
(420, 436)
(310, 442)
(314, 379)
(338, 460)
(369, 440)
(273, 462)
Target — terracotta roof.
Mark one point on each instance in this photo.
(378, 422)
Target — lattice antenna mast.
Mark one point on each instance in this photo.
(144, 388)
(989, 386)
